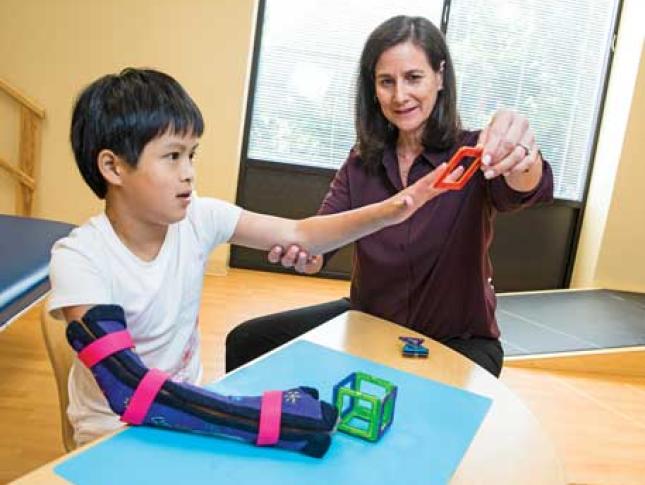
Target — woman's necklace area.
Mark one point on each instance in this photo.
(405, 160)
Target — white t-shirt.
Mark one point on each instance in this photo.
(160, 298)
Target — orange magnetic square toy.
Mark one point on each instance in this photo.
(452, 164)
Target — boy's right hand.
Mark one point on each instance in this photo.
(296, 258)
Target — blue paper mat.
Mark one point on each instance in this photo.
(432, 429)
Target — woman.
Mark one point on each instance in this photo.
(431, 273)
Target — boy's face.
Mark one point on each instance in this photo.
(159, 189)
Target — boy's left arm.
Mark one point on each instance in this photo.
(320, 234)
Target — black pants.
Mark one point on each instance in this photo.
(256, 337)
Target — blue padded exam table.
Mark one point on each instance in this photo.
(25, 245)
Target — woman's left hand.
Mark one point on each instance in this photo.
(510, 149)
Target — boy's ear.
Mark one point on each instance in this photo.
(111, 166)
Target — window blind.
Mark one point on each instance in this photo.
(303, 105)
(543, 58)
(546, 59)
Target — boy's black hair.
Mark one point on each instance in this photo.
(123, 113)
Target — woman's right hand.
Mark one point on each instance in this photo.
(296, 258)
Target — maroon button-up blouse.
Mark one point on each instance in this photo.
(431, 273)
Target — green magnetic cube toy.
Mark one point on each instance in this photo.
(365, 405)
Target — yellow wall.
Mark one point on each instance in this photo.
(51, 49)
(621, 262)
(613, 232)
(9, 127)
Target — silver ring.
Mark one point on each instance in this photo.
(526, 149)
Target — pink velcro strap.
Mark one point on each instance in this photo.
(143, 396)
(104, 347)
(270, 417)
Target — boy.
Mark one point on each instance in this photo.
(134, 137)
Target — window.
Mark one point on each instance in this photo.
(547, 59)
(544, 58)
(303, 109)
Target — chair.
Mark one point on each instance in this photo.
(60, 357)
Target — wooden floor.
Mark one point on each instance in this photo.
(597, 421)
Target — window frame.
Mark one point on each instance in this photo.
(246, 163)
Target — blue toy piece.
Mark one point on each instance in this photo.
(363, 413)
(413, 347)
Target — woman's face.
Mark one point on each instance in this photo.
(407, 87)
